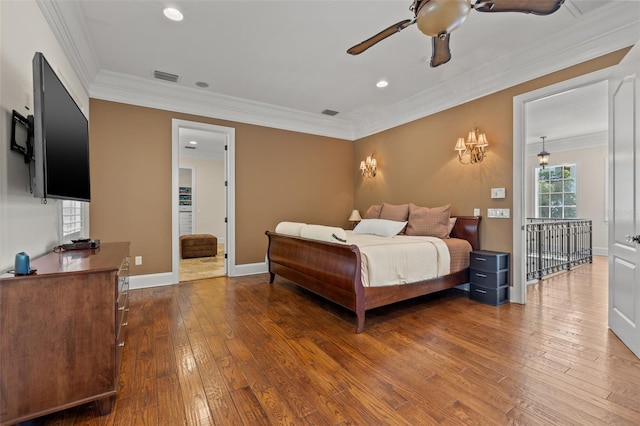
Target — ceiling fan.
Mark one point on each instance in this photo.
(438, 18)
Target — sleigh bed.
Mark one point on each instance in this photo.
(333, 270)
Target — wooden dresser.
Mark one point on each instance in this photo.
(62, 332)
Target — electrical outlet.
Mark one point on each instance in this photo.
(138, 260)
(476, 212)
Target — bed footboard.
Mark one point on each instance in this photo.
(327, 269)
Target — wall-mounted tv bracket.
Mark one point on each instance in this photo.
(22, 135)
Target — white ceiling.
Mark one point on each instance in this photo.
(280, 63)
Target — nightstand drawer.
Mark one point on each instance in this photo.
(489, 279)
(489, 261)
(489, 296)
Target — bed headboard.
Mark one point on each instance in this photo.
(467, 228)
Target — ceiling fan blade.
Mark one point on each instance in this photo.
(395, 28)
(537, 7)
(440, 53)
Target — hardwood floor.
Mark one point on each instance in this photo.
(238, 351)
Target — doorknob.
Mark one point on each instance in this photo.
(633, 239)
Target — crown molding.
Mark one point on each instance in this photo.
(581, 42)
(73, 37)
(168, 96)
(592, 140)
(587, 39)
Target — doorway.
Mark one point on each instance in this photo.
(210, 198)
(522, 168)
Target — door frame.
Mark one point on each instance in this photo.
(521, 192)
(229, 167)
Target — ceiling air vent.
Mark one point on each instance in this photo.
(161, 75)
(330, 112)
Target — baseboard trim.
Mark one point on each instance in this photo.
(151, 280)
(600, 251)
(159, 280)
(250, 269)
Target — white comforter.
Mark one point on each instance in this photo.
(401, 259)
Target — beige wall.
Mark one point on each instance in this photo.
(417, 163)
(280, 175)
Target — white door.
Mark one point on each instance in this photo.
(624, 183)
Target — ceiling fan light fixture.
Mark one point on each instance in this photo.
(438, 17)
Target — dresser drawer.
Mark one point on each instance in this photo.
(121, 312)
(489, 261)
(489, 279)
(489, 296)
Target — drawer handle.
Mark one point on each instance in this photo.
(481, 259)
(121, 344)
(125, 323)
(481, 275)
(121, 308)
(481, 291)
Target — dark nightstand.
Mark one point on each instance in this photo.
(489, 277)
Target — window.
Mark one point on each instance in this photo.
(556, 192)
(73, 219)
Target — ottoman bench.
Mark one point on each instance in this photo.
(198, 245)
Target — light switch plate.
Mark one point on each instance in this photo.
(498, 193)
(499, 213)
(476, 212)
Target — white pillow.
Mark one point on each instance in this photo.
(290, 228)
(329, 234)
(382, 227)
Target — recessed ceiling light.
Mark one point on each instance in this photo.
(193, 142)
(202, 84)
(173, 14)
(382, 83)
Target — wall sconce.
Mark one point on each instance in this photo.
(543, 157)
(472, 151)
(369, 166)
(354, 218)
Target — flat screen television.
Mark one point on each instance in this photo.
(60, 138)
